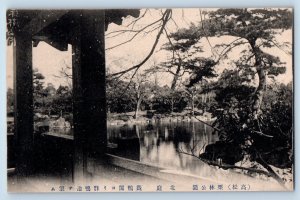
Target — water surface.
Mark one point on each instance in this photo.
(160, 143)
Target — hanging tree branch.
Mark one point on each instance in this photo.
(119, 32)
(270, 172)
(165, 18)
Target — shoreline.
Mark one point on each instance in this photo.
(127, 118)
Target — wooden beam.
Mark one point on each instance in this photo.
(23, 102)
(89, 103)
(43, 19)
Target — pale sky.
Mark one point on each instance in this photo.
(49, 60)
(46, 59)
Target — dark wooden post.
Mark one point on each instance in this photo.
(89, 103)
(23, 103)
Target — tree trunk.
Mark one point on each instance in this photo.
(258, 95)
(172, 104)
(193, 104)
(137, 107)
(259, 92)
(175, 79)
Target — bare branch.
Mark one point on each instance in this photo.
(131, 30)
(165, 19)
(270, 172)
(279, 47)
(262, 134)
(174, 20)
(137, 32)
(153, 29)
(171, 43)
(183, 17)
(217, 129)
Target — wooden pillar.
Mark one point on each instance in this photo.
(89, 103)
(23, 102)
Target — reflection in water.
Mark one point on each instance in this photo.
(61, 131)
(158, 143)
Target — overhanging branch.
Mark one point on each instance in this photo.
(165, 18)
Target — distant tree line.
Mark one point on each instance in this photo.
(47, 100)
(123, 96)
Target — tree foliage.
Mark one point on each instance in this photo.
(261, 130)
(48, 100)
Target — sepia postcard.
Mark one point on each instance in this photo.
(150, 100)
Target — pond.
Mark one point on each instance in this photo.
(159, 144)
